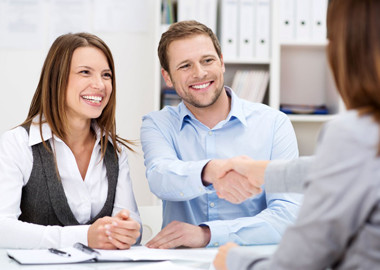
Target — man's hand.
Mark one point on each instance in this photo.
(220, 261)
(118, 232)
(234, 187)
(177, 234)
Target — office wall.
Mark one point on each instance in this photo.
(136, 74)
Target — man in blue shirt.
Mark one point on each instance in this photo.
(185, 145)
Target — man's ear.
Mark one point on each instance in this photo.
(166, 77)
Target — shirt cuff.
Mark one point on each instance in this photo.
(73, 234)
(219, 233)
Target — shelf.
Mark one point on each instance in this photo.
(310, 118)
(308, 43)
(248, 61)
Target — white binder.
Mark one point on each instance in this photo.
(303, 19)
(318, 27)
(203, 11)
(247, 22)
(229, 28)
(287, 20)
(263, 24)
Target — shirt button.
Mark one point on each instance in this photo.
(210, 133)
(181, 194)
(216, 244)
(212, 204)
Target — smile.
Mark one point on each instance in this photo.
(93, 99)
(201, 86)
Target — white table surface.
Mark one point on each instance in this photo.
(7, 263)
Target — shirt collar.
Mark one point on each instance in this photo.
(35, 137)
(237, 110)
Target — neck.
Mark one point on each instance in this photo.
(79, 133)
(210, 116)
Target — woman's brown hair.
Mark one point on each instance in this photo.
(50, 96)
(354, 53)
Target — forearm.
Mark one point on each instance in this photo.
(176, 180)
(287, 175)
(18, 234)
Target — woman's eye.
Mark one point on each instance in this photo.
(107, 75)
(86, 72)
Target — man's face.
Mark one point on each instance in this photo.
(196, 71)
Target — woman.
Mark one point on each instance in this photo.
(339, 223)
(64, 173)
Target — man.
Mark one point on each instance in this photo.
(185, 146)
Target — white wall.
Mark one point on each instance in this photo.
(137, 81)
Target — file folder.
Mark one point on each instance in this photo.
(229, 28)
(303, 19)
(263, 29)
(287, 20)
(203, 11)
(247, 22)
(318, 27)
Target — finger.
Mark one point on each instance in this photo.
(123, 214)
(165, 235)
(118, 244)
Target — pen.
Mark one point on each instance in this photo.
(85, 249)
(59, 252)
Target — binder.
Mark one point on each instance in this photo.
(263, 24)
(303, 19)
(287, 20)
(247, 22)
(318, 26)
(229, 28)
(203, 11)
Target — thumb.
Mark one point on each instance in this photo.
(123, 214)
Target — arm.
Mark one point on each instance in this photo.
(335, 207)
(287, 175)
(126, 231)
(281, 209)
(169, 178)
(15, 166)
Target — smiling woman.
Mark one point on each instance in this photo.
(65, 165)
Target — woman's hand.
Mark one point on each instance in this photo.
(118, 232)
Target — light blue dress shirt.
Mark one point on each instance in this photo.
(176, 148)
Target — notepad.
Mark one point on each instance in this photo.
(135, 253)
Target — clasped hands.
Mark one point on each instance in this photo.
(235, 179)
(117, 232)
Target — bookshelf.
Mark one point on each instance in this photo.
(299, 73)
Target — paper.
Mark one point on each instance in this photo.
(164, 266)
(144, 253)
(43, 256)
(136, 253)
(21, 24)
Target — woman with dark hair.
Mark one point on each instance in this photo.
(339, 222)
(64, 172)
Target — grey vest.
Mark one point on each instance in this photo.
(43, 199)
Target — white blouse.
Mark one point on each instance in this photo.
(85, 198)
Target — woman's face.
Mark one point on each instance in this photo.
(89, 86)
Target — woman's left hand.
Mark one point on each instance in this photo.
(123, 231)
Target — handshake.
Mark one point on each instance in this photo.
(235, 179)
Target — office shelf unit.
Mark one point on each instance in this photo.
(299, 74)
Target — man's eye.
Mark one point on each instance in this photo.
(209, 60)
(184, 66)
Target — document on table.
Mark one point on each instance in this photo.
(135, 253)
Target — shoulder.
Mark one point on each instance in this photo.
(16, 136)
(353, 128)
(168, 116)
(264, 111)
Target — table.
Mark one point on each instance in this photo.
(7, 263)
